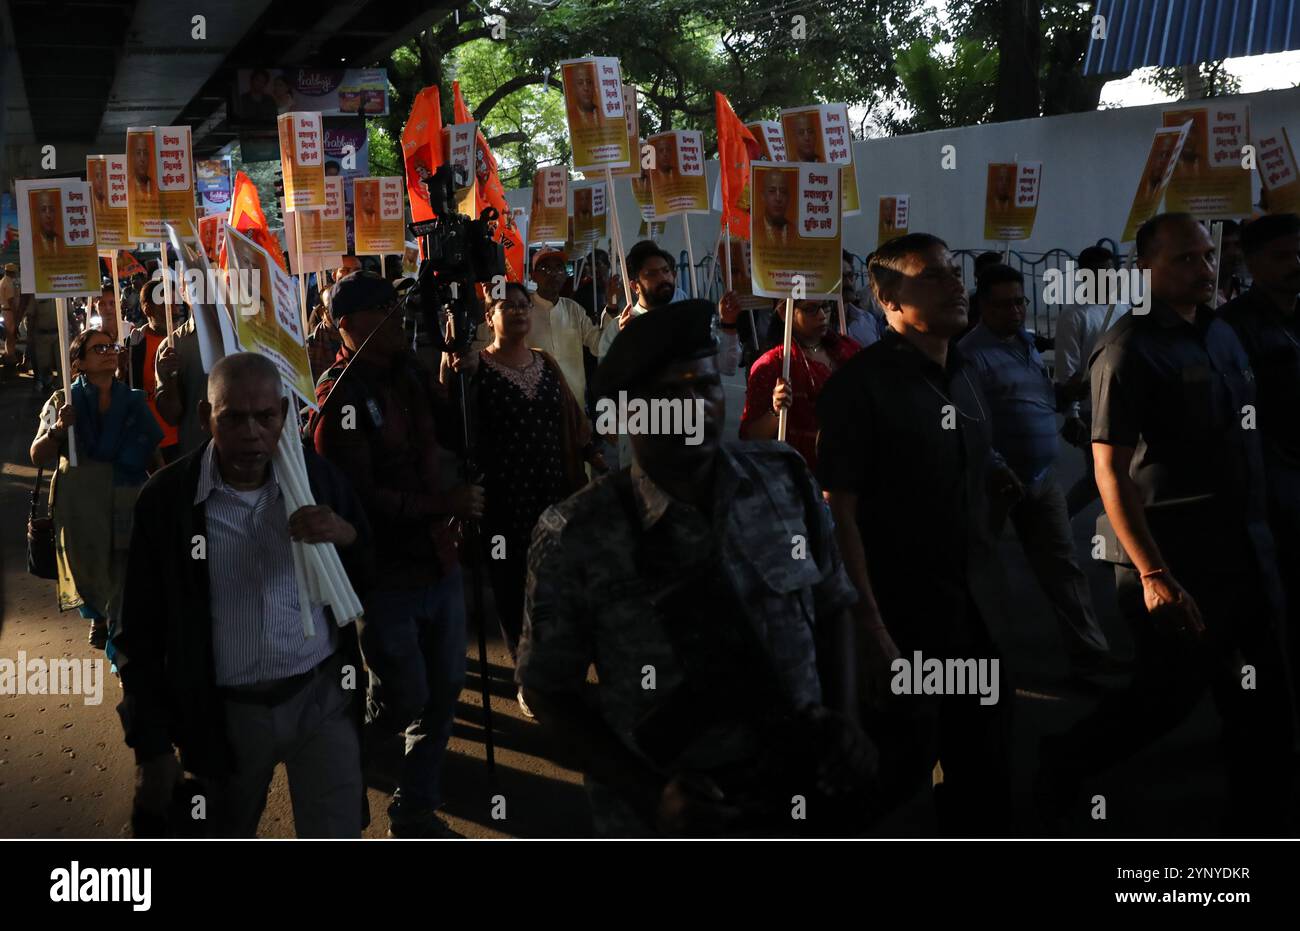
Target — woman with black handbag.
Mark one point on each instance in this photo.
(91, 504)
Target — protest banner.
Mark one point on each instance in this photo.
(159, 182)
(548, 216)
(1011, 199)
(677, 179)
(795, 230)
(107, 177)
(1208, 181)
(590, 220)
(458, 151)
(893, 218)
(56, 238)
(593, 106)
(302, 160)
(266, 313)
(1162, 158)
(210, 232)
(770, 138)
(379, 224)
(213, 324)
(1277, 172)
(821, 134)
(634, 140)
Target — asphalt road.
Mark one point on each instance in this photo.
(64, 771)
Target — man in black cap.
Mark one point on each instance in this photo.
(704, 583)
(376, 424)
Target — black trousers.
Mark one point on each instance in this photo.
(971, 742)
(508, 577)
(1241, 611)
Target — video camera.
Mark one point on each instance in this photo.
(459, 252)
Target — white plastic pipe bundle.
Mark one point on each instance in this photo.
(321, 579)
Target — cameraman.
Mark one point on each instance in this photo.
(378, 428)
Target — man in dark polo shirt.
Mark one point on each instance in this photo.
(1183, 484)
(1267, 321)
(906, 460)
(378, 428)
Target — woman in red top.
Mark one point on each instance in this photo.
(816, 353)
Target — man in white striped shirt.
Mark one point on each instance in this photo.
(1078, 328)
(216, 660)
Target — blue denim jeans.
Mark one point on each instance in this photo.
(414, 643)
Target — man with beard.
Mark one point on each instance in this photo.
(1181, 474)
(1267, 322)
(680, 568)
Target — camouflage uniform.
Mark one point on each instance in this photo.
(588, 603)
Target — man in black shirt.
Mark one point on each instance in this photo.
(905, 458)
(1267, 321)
(1183, 485)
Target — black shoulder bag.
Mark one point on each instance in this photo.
(41, 561)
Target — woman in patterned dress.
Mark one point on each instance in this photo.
(532, 439)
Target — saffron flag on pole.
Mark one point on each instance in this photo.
(491, 193)
(246, 217)
(422, 149)
(736, 147)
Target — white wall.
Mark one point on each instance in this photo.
(1091, 162)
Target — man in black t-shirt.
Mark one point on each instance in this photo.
(1181, 476)
(906, 460)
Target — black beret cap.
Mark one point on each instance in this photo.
(361, 291)
(675, 333)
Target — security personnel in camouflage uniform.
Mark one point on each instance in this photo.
(705, 585)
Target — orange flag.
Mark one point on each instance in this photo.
(246, 216)
(736, 146)
(491, 193)
(422, 149)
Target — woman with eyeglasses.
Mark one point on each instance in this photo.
(116, 437)
(532, 439)
(816, 352)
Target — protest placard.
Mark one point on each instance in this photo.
(795, 230)
(590, 218)
(677, 179)
(548, 217)
(266, 312)
(56, 238)
(458, 151)
(1277, 172)
(1011, 199)
(379, 218)
(771, 140)
(159, 182)
(893, 218)
(107, 177)
(821, 134)
(593, 105)
(1162, 158)
(302, 160)
(1208, 181)
(634, 140)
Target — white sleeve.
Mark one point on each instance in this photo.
(1069, 348)
(608, 330)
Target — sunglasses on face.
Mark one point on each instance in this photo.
(103, 349)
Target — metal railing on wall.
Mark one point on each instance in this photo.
(707, 281)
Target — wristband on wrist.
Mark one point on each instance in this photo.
(1153, 573)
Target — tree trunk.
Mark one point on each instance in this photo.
(1019, 56)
